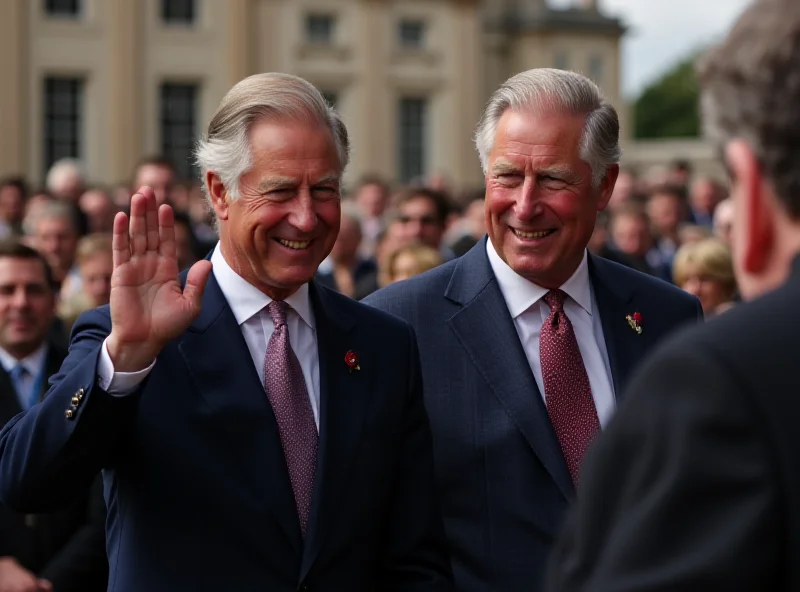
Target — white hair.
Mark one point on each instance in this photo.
(65, 168)
(225, 149)
(545, 89)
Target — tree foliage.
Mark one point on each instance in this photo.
(669, 107)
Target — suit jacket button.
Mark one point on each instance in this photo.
(76, 400)
(69, 414)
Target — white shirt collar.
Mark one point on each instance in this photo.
(32, 363)
(520, 294)
(246, 300)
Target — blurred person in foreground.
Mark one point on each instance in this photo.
(61, 549)
(705, 269)
(500, 327)
(256, 431)
(694, 486)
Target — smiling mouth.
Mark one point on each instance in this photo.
(294, 245)
(536, 234)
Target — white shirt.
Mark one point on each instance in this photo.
(249, 307)
(525, 301)
(34, 364)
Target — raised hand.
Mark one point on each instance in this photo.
(148, 306)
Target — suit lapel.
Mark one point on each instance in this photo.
(9, 405)
(344, 401)
(486, 331)
(616, 300)
(219, 362)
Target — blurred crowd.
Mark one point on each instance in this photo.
(669, 224)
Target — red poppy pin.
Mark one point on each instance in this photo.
(351, 359)
(635, 321)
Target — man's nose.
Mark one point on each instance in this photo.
(303, 217)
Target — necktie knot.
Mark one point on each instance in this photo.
(277, 309)
(19, 372)
(555, 300)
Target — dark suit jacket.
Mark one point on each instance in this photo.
(695, 485)
(502, 481)
(197, 487)
(66, 546)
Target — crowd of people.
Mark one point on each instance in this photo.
(665, 222)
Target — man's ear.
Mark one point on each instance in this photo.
(607, 186)
(756, 233)
(219, 195)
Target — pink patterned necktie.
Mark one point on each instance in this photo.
(567, 391)
(287, 393)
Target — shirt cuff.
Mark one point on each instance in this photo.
(118, 384)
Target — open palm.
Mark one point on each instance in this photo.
(148, 305)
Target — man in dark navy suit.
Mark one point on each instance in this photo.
(256, 431)
(527, 340)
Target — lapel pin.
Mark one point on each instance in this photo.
(635, 321)
(351, 359)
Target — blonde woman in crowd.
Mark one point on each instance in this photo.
(411, 260)
(94, 261)
(705, 269)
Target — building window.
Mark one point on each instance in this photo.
(320, 29)
(596, 68)
(63, 8)
(63, 119)
(412, 134)
(411, 33)
(561, 60)
(331, 98)
(178, 122)
(178, 12)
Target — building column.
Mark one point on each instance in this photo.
(240, 39)
(126, 122)
(14, 112)
(471, 95)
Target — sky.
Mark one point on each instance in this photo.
(661, 32)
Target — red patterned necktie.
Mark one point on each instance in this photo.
(287, 393)
(567, 392)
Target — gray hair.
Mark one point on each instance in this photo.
(543, 89)
(750, 88)
(225, 149)
(52, 210)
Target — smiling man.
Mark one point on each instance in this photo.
(256, 431)
(527, 340)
